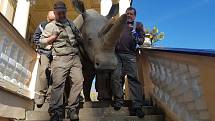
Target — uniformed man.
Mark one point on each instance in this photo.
(65, 65)
(130, 38)
(45, 59)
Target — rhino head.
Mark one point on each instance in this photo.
(100, 34)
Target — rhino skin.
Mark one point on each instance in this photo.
(100, 36)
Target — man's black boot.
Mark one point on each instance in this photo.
(55, 116)
(117, 105)
(139, 112)
(40, 99)
(73, 114)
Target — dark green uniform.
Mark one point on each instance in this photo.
(66, 65)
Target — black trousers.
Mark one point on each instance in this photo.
(127, 66)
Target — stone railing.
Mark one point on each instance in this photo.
(179, 81)
(17, 60)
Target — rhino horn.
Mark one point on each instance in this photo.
(113, 11)
(111, 36)
(79, 6)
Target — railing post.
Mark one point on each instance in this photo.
(144, 74)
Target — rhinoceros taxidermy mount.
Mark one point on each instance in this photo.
(100, 36)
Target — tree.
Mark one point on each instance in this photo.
(152, 36)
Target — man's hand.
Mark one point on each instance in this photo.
(52, 38)
(48, 47)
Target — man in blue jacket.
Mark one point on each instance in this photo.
(45, 59)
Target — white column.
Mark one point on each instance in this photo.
(105, 6)
(21, 16)
(123, 5)
(4, 7)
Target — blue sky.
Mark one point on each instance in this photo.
(186, 23)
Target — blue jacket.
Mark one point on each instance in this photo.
(36, 37)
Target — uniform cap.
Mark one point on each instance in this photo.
(60, 6)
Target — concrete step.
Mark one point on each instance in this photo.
(96, 104)
(118, 118)
(111, 112)
(103, 104)
(93, 112)
(100, 111)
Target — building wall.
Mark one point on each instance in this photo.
(39, 10)
(7, 8)
(1, 5)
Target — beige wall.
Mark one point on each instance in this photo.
(1, 5)
(10, 10)
(7, 8)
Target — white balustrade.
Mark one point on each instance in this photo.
(177, 86)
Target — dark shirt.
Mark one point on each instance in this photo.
(38, 32)
(36, 37)
(127, 43)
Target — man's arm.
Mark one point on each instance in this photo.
(50, 34)
(140, 31)
(50, 39)
(36, 36)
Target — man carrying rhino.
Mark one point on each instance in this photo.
(131, 37)
(66, 64)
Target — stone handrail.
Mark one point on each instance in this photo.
(180, 81)
(17, 60)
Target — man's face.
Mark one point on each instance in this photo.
(50, 16)
(130, 15)
(60, 15)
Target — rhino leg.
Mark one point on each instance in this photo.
(103, 85)
(89, 75)
(88, 79)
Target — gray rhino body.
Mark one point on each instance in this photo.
(100, 35)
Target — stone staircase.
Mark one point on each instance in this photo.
(100, 111)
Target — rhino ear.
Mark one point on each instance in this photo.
(79, 6)
(113, 11)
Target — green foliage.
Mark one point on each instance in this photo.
(154, 34)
